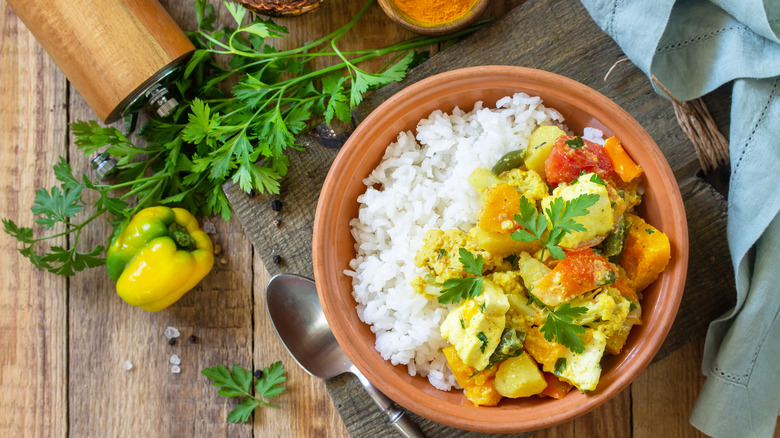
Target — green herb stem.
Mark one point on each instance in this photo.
(71, 228)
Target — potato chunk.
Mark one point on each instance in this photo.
(539, 145)
(519, 377)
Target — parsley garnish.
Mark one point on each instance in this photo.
(442, 253)
(456, 289)
(559, 327)
(595, 178)
(560, 365)
(484, 341)
(576, 142)
(238, 383)
(242, 102)
(561, 214)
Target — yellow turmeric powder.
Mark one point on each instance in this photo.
(434, 11)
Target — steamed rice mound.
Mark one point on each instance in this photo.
(421, 184)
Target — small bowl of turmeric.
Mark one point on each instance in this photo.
(434, 17)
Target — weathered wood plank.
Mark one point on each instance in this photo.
(665, 393)
(33, 304)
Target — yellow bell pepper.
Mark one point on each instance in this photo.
(158, 257)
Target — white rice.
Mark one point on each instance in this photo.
(420, 185)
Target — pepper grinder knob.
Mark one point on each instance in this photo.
(157, 97)
(104, 164)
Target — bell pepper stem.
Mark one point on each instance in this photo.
(180, 235)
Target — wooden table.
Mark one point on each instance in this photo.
(63, 341)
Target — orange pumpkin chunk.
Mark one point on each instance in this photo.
(502, 203)
(646, 252)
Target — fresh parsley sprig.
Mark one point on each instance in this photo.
(58, 207)
(560, 328)
(238, 383)
(242, 102)
(245, 136)
(561, 214)
(456, 289)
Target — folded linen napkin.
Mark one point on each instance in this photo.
(692, 47)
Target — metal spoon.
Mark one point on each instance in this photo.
(298, 319)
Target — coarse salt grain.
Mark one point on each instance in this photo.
(175, 369)
(171, 332)
(175, 359)
(127, 365)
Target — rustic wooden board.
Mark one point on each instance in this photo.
(557, 36)
(33, 304)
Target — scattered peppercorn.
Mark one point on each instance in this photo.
(252, 193)
(276, 205)
(277, 259)
(258, 374)
(172, 341)
(193, 339)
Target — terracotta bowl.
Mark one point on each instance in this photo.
(397, 14)
(333, 245)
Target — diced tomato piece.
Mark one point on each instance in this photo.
(581, 271)
(556, 388)
(566, 162)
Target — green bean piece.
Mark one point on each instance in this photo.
(613, 244)
(509, 161)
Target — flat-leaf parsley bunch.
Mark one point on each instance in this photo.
(242, 104)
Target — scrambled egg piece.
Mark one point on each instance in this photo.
(528, 183)
(509, 281)
(607, 310)
(599, 220)
(475, 325)
(440, 253)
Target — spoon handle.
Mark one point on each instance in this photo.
(400, 422)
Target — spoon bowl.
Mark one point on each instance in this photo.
(298, 319)
(295, 312)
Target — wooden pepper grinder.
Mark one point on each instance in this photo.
(117, 53)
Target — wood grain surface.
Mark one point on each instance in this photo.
(63, 342)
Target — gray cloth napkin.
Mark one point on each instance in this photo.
(693, 47)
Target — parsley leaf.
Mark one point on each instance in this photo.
(597, 179)
(561, 214)
(456, 289)
(576, 142)
(238, 383)
(560, 366)
(483, 341)
(559, 327)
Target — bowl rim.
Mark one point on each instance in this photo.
(668, 288)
